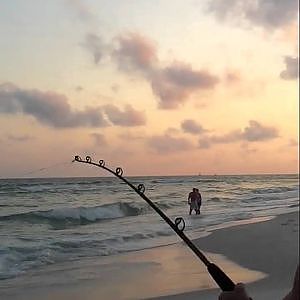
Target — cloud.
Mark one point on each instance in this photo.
(95, 45)
(53, 109)
(291, 68)
(192, 127)
(255, 132)
(270, 14)
(48, 108)
(135, 52)
(92, 41)
(167, 144)
(128, 117)
(172, 84)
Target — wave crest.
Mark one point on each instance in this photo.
(82, 215)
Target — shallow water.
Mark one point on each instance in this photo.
(49, 221)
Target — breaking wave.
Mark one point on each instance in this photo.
(82, 214)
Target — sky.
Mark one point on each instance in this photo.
(157, 87)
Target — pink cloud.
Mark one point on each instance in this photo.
(53, 109)
(192, 127)
(172, 84)
(135, 52)
(270, 14)
(49, 108)
(128, 117)
(255, 132)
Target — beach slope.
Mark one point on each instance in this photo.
(264, 255)
(270, 247)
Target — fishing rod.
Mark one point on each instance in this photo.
(223, 281)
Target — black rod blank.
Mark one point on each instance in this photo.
(223, 281)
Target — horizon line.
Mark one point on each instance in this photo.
(130, 176)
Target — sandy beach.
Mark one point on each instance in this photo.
(269, 247)
(264, 255)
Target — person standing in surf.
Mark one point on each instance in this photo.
(193, 201)
(199, 201)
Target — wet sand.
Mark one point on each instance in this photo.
(270, 247)
(264, 255)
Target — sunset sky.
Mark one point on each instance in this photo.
(158, 87)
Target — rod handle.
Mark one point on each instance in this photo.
(223, 281)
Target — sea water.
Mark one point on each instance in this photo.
(49, 221)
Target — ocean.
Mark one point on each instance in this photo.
(52, 220)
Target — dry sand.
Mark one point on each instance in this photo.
(270, 247)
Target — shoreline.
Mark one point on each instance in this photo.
(173, 269)
(276, 255)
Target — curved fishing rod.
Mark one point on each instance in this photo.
(223, 281)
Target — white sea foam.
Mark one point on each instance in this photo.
(45, 221)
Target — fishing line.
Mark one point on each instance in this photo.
(223, 281)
